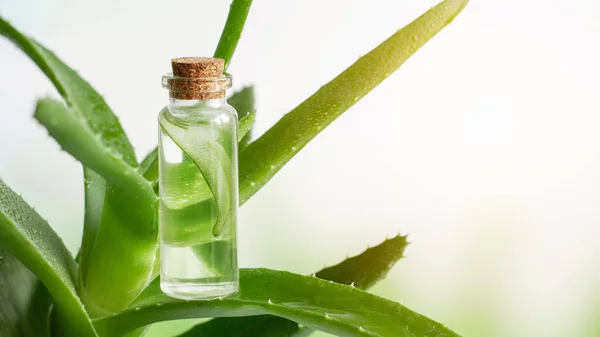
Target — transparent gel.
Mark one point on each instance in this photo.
(198, 198)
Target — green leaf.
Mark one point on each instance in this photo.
(361, 271)
(88, 106)
(24, 302)
(366, 269)
(261, 160)
(109, 220)
(94, 190)
(90, 109)
(39, 312)
(149, 166)
(138, 332)
(250, 326)
(214, 164)
(30, 239)
(17, 286)
(322, 305)
(243, 102)
(245, 127)
(40, 309)
(207, 250)
(121, 262)
(78, 140)
(236, 19)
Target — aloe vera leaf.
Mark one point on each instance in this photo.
(121, 263)
(94, 191)
(232, 31)
(245, 125)
(138, 332)
(119, 260)
(243, 102)
(206, 251)
(262, 159)
(334, 308)
(87, 105)
(79, 141)
(24, 302)
(17, 285)
(366, 269)
(149, 166)
(110, 222)
(91, 110)
(24, 234)
(40, 309)
(361, 271)
(190, 225)
(249, 326)
(214, 164)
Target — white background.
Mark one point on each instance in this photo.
(484, 147)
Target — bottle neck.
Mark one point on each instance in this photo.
(208, 103)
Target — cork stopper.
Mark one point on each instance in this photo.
(203, 67)
(198, 78)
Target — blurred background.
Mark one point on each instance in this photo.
(484, 147)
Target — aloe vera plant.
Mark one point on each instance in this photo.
(111, 287)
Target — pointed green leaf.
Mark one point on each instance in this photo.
(268, 154)
(243, 102)
(138, 332)
(28, 237)
(94, 191)
(366, 269)
(90, 109)
(361, 271)
(214, 164)
(17, 285)
(322, 305)
(236, 19)
(149, 166)
(24, 302)
(250, 326)
(245, 127)
(121, 260)
(78, 140)
(40, 309)
(109, 216)
(87, 105)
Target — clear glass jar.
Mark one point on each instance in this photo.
(198, 189)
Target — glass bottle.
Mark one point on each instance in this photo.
(198, 182)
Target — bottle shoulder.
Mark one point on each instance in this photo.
(224, 114)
